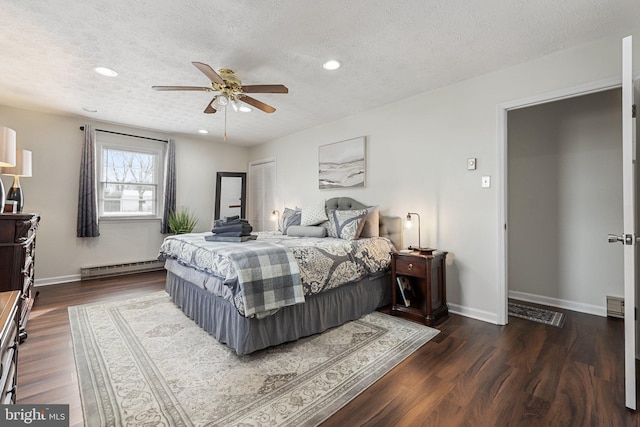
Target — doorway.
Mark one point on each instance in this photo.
(564, 168)
(503, 177)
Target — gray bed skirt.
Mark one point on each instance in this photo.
(320, 312)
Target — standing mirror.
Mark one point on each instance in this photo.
(231, 194)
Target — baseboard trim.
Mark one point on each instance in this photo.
(560, 303)
(473, 313)
(57, 280)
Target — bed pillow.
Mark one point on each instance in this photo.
(306, 231)
(313, 215)
(371, 226)
(346, 224)
(289, 217)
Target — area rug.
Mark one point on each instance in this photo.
(536, 314)
(143, 362)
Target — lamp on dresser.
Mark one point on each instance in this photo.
(22, 168)
(7, 155)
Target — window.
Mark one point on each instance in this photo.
(129, 179)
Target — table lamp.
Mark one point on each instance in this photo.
(7, 155)
(22, 168)
(408, 224)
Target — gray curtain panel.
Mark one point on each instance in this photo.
(87, 196)
(169, 186)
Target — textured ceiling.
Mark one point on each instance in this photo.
(390, 51)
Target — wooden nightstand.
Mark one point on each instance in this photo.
(424, 277)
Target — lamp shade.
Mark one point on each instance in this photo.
(23, 164)
(7, 146)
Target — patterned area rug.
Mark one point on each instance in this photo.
(537, 314)
(143, 362)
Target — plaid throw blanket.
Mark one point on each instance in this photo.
(262, 276)
(268, 276)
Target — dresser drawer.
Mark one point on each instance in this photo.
(411, 266)
(10, 387)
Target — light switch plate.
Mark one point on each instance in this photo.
(486, 181)
(472, 164)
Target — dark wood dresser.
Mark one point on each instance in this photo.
(17, 259)
(9, 312)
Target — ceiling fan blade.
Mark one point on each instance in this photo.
(210, 109)
(198, 88)
(209, 72)
(265, 89)
(258, 104)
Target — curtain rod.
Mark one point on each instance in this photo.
(127, 134)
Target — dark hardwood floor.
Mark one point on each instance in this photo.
(472, 374)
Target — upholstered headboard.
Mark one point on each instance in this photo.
(390, 226)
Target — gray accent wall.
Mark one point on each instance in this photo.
(564, 196)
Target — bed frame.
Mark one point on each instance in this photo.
(320, 312)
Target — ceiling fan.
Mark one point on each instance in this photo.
(230, 88)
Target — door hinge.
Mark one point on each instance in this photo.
(633, 110)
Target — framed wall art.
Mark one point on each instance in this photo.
(342, 164)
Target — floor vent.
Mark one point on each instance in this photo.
(615, 307)
(119, 269)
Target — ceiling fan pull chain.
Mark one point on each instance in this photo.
(225, 122)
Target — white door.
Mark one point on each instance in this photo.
(629, 220)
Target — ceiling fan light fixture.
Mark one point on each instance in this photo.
(105, 71)
(222, 100)
(332, 65)
(244, 108)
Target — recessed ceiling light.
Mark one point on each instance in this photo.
(89, 110)
(203, 131)
(105, 71)
(243, 108)
(332, 64)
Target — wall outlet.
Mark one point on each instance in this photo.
(472, 164)
(486, 181)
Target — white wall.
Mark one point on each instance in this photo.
(565, 196)
(56, 142)
(416, 161)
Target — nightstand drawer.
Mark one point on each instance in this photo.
(411, 266)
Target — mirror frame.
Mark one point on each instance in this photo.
(243, 195)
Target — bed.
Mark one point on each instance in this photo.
(213, 283)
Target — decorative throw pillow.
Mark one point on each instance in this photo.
(371, 226)
(313, 215)
(289, 217)
(306, 231)
(347, 224)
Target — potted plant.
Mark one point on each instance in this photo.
(182, 221)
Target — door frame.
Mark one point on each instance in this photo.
(502, 179)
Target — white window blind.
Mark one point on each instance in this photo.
(262, 184)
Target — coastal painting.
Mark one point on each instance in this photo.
(341, 164)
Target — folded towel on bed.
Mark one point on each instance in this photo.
(242, 228)
(229, 220)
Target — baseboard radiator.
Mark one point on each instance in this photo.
(120, 269)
